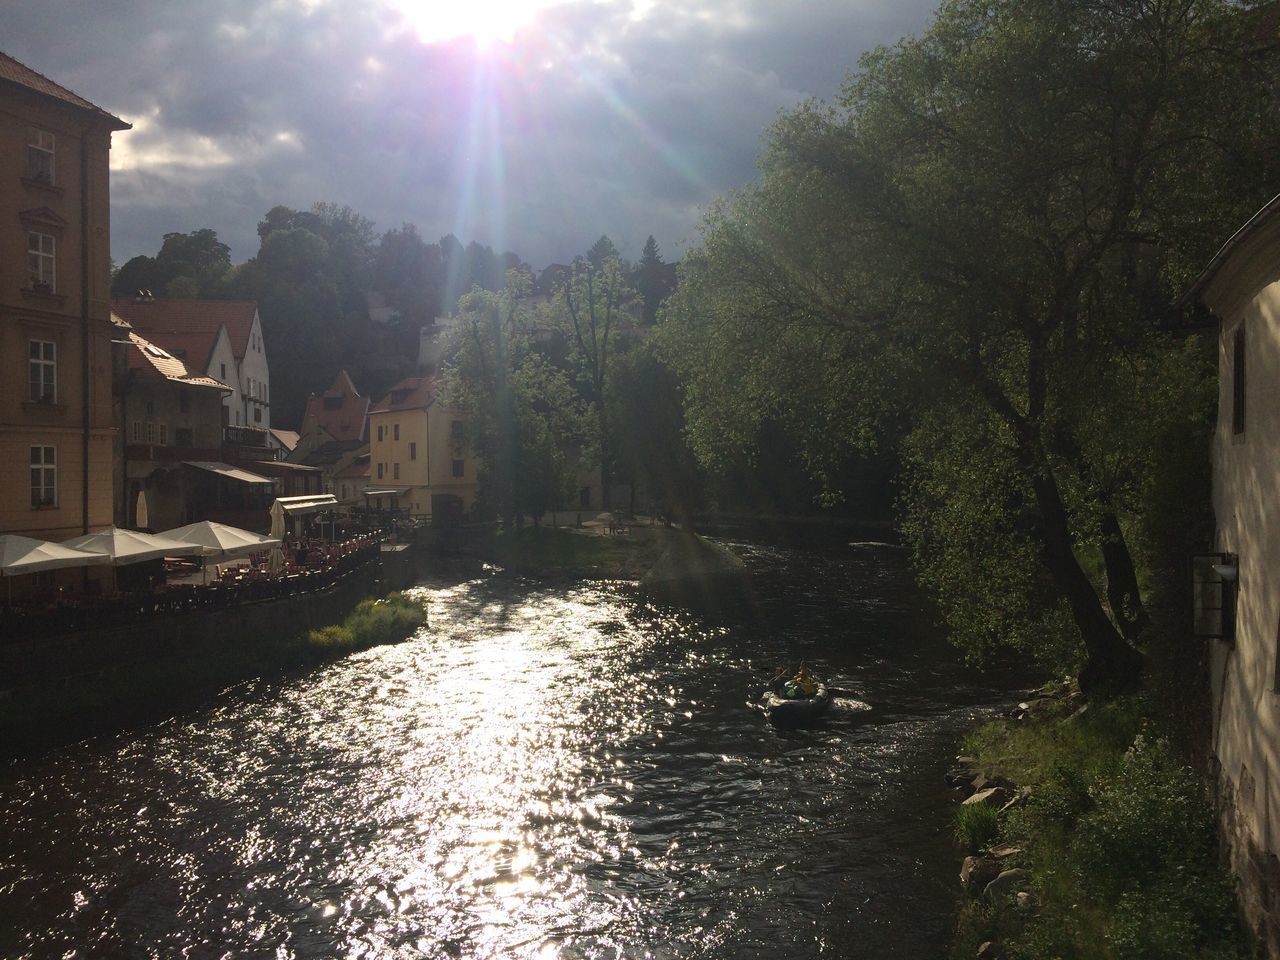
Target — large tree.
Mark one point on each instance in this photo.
(970, 255)
(523, 413)
(592, 308)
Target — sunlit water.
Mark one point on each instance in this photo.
(544, 772)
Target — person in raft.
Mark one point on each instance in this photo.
(802, 685)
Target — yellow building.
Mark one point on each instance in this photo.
(56, 427)
(416, 451)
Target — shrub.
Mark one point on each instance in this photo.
(976, 826)
(332, 639)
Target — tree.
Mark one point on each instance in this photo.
(522, 412)
(188, 265)
(590, 307)
(970, 256)
(651, 279)
(645, 406)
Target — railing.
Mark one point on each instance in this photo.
(245, 436)
(27, 621)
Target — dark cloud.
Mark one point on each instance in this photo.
(599, 120)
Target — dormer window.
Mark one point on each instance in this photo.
(40, 165)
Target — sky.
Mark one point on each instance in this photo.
(529, 125)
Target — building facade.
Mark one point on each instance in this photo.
(221, 339)
(416, 450)
(56, 427)
(1238, 597)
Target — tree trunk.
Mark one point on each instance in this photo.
(1113, 665)
(1123, 594)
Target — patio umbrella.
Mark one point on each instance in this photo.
(221, 541)
(19, 555)
(276, 564)
(130, 546)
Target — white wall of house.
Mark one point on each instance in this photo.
(224, 368)
(1244, 293)
(255, 380)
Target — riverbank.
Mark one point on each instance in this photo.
(180, 675)
(1086, 837)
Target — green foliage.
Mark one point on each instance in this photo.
(1119, 839)
(389, 620)
(975, 827)
(971, 256)
(525, 419)
(645, 408)
(334, 639)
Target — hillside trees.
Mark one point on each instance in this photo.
(970, 256)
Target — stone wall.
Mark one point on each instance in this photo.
(1256, 869)
(194, 634)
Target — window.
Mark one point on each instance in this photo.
(40, 261)
(380, 466)
(455, 431)
(223, 378)
(257, 414)
(395, 432)
(1237, 383)
(413, 450)
(42, 371)
(44, 476)
(183, 437)
(40, 156)
(457, 468)
(395, 471)
(379, 433)
(137, 434)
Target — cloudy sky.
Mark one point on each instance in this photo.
(530, 125)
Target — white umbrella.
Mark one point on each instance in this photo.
(20, 555)
(129, 546)
(222, 541)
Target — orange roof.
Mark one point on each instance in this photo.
(151, 362)
(195, 320)
(412, 393)
(340, 410)
(18, 73)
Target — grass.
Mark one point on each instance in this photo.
(373, 622)
(975, 827)
(1119, 839)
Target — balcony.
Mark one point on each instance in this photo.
(245, 436)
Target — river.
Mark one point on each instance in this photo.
(544, 772)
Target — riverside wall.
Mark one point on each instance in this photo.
(191, 634)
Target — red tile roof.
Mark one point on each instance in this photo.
(412, 393)
(340, 410)
(18, 73)
(196, 320)
(151, 362)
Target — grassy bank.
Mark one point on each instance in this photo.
(39, 717)
(1115, 835)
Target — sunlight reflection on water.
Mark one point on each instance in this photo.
(543, 773)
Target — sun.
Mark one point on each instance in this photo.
(486, 22)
